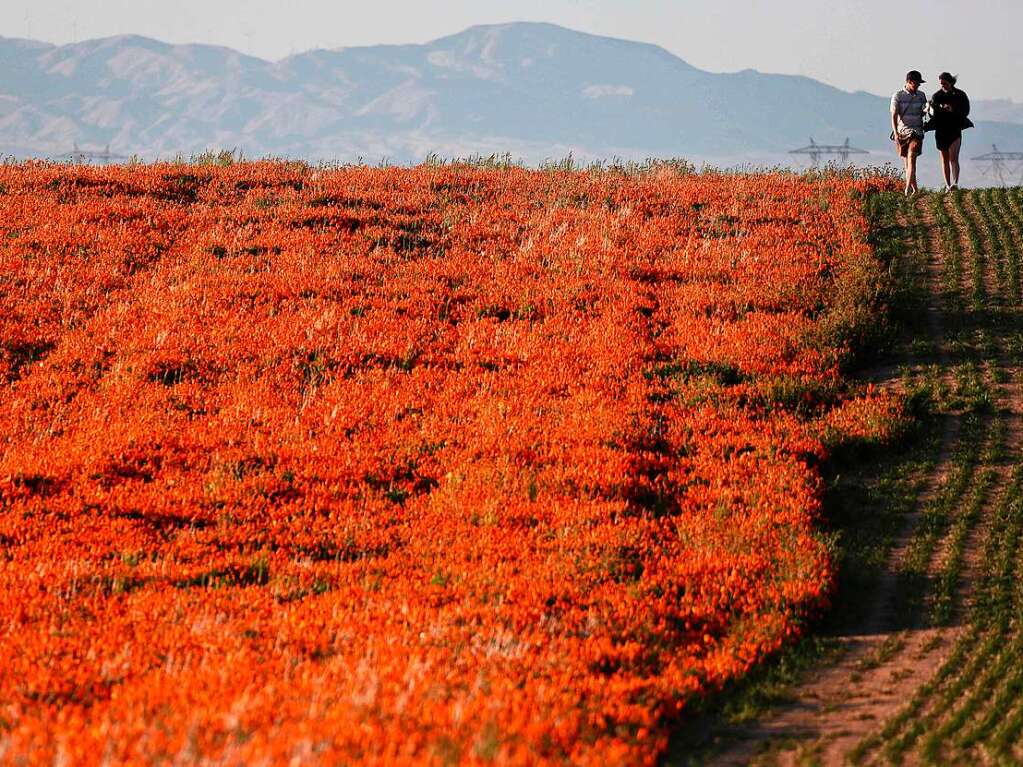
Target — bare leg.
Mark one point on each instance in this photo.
(946, 169)
(953, 152)
(907, 171)
(911, 173)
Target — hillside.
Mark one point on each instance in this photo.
(415, 467)
(535, 90)
(924, 661)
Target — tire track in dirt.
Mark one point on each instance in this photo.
(1007, 402)
(961, 716)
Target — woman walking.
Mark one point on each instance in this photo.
(950, 109)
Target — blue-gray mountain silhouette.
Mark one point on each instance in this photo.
(535, 90)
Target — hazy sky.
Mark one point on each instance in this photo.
(857, 44)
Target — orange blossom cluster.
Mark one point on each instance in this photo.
(407, 466)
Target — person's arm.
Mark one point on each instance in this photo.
(966, 104)
(930, 113)
(895, 115)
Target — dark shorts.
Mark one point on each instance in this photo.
(914, 144)
(946, 138)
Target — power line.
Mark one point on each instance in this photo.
(1002, 165)
(815, 151)
(89, 156)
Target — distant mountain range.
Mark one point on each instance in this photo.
(1000, 110)
(535, 90)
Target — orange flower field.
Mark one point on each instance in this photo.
(411, 466)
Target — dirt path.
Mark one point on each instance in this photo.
(848, 711)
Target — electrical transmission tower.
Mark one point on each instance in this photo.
(88, 156)
(816, 151)
(1002, 166)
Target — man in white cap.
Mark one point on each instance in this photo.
(908, 107)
